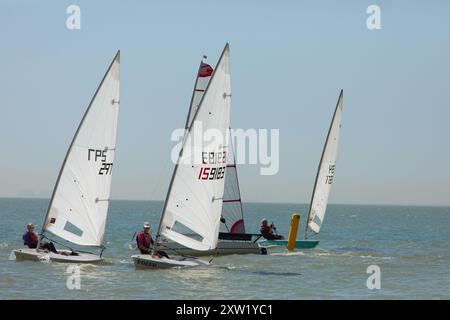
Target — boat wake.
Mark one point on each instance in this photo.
(12, 256)
(245, 269)
(293, 253)
(359, 253)
(270, 273)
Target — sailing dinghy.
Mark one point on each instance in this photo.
(232, 236)
(79, 203)
(322, 184)
(193, 204)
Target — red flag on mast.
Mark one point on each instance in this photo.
(205, 70)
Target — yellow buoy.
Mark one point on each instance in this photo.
(295, 221)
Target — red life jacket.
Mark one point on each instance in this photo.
(266, 231)
(33, 237)
(30, 239)
(144, 239)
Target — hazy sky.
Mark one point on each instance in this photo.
(288, 63)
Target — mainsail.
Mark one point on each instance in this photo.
(79, 204)
(194, 199)
(232, 216)
(325, 173)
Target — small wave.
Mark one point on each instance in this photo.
(226, 267)
(3, 245)
(365, 255)
(125, 261)
(272, 273)
(12, 256)
(293, 253)
(44, 258)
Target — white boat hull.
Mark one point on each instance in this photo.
(146, 261)
(224, 247)
(33, 255)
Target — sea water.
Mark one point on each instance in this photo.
(409, 246)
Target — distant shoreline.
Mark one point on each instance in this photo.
(271, 203)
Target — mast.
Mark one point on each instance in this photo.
(320, 163)
(181, 152)
(116, 56)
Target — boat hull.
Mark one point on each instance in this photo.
(223, 248)
(299, 244)
(146, 261)
(33, 255)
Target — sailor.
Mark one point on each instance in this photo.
(145, 241)
(267, 231)
(31, 240)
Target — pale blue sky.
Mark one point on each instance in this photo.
(288, 63)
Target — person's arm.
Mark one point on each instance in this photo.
(142, 248)
(25, 239)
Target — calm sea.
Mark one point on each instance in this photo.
(410, 245)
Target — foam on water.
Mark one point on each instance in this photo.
(287, 253)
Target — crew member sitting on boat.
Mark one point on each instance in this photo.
(267, 231)
(31, 240)
(145, 242)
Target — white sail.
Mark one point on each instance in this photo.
(191, 214)
(326, 171)
(79, 204)
(232, 213)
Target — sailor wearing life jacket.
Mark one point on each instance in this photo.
(267, 231)
(145, 242)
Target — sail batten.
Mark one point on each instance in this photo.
(325, 172)
(77, 209)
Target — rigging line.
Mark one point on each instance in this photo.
(175, 250)
(66, 246)
(215, 254)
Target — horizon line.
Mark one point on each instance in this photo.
(258, 202)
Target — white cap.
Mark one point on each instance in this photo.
(263, 220)
(146, 225)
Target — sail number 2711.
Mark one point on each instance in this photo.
(100, 155)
